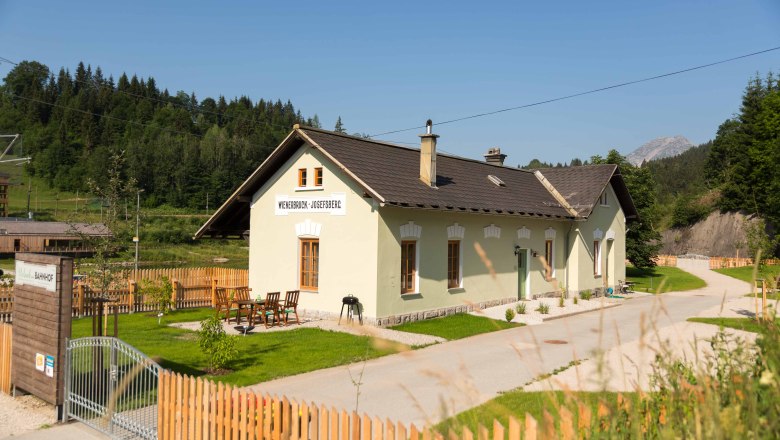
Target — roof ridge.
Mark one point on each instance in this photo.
(403, 147)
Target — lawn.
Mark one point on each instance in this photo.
(746, 324)
(458, 326)
(667, 278)
(747, 274)
(262, 356)
(517, 403)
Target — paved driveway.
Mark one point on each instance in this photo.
(427, 385)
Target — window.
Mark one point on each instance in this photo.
(310, 264)
(302, 177)
(318, 177)
(548, 258)
(408, 266)
(603, 198)
(453, 264)
(597, 257)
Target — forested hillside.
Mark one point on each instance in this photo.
(177, 147)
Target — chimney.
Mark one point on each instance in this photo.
(428, 155)
(495, 157)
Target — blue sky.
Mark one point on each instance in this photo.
(392, 65)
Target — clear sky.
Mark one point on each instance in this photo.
(390, 65)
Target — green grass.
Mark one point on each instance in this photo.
(746, 324)
(516, 403)
(747, 275)
(262, 356)
(668, 278)
(458, 326)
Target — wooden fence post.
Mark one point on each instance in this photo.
(80, 299)
(132, 288)
(213, 292)
(174, 293)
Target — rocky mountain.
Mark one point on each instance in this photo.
(659, 148)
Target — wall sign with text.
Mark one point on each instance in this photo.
(37, 275)
(334, 204)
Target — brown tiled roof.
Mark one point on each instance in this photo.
(582, 186)
(50, 229)
(462, 184)
(390, 173)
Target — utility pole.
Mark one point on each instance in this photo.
(137, 238)
(207, 203)
(29, 190)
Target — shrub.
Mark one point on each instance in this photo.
(521, 308)
(509, 315)
(158, 293)
(543, 308)
(586, 295)
(561, 301)
(219, 347)
(575, 300)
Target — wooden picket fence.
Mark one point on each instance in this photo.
(6, 303)
(6, 332)
(195, 408)
(725, 262)
(192, 288)
(666, 260)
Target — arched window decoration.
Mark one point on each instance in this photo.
(307, 228)
(549, 234)
(524, 233)
(455, 232)
(410, 230)
(492, 231)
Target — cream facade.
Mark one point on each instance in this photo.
(319, 227)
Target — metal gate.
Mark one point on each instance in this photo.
(112, 387)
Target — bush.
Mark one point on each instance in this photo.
(509, 315)
(219, 347)
(521, 308)
(543, 308)
(158, 293)
(586, 295)
(561, 302)
(574, 300)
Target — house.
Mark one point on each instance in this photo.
(414, 233)
(61, 238)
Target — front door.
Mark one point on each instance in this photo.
(522, 274)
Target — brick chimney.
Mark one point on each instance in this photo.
(495, 157)
(428, 155)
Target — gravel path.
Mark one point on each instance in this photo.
(24, 414)
(533, 317)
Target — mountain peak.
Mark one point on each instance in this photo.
(659, 148)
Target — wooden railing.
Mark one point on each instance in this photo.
(195, 408)
(6, 303)
(6, 331)
(724, 262)
(192, 288)
(666, 260)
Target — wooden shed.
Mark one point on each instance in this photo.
(21, 235)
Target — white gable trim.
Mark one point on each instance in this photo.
(455, 231)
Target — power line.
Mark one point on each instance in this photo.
(198, 107)
(600, 89)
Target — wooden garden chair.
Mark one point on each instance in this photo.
(269, 308)
(290, 305)
(239, 294)
(223, 303)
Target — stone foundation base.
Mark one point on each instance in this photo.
(390, 321)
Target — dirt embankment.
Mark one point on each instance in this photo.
(719, 235)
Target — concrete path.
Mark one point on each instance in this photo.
(428, 385)
(69, 431)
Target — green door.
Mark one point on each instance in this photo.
(522, 273)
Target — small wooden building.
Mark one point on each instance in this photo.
(60, 238)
